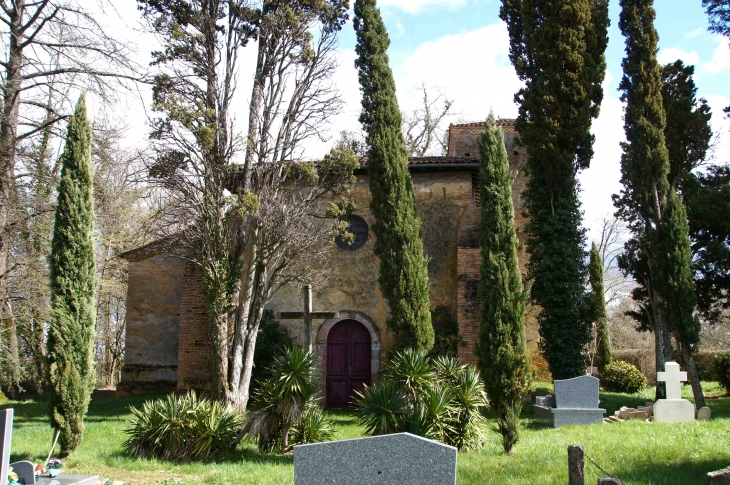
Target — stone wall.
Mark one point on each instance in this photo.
(153, 320)
(194, 351)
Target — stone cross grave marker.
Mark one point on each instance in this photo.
(394, 459)
(6, 435)
(307, 315)
(673, 409)
(673, 379)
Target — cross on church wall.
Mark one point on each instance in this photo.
(673, 378)
(307, 315)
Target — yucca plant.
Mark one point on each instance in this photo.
(468, 423)
(435, 407)
(382, 408)
(283, 398)
(412, 371)
(181, 427)
(314, 427)
(448, 368)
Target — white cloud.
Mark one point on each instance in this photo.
(413, 6)
(720, 57)
(721, 127)
(694, 33)
(671, 54)
(470, 68)
(603, 178)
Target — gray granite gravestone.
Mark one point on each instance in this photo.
(575, 402)
(395, 459)
(6, 435)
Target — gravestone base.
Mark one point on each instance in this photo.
(558, 417)
(63, 479)
(673, 411)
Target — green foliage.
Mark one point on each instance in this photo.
(382, 408)
(272, 341)
(620, 376)
(503, 360)
(314, 427)
(182, 428)
(557, 48)
(71, 375)
(446, 333)
(672, 275)
(721, 369)
(706, 195)
(598, 307)
(284, 400)
(437, 399)
(398, 243)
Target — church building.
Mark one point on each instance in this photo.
(167, 334)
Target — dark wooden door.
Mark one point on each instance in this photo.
(348, 362)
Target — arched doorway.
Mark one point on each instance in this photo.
(348, 362)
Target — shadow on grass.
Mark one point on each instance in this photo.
(691, 471)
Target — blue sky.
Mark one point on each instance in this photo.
(460, 47)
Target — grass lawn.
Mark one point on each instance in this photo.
(636, 452)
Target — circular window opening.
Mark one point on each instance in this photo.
(359, 230)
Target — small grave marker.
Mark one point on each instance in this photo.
(673, 409)
(394, 459)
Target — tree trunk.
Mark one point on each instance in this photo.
(8, 130)
(694, 377)
(285, 437)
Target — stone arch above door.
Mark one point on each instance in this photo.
(323, 333)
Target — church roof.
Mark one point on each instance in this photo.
(507, 125)
(432, 162)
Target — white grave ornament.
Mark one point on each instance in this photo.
(673, 409)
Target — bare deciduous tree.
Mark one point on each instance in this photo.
(422, 127)
(253, 228)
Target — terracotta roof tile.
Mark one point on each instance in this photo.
(500, 122)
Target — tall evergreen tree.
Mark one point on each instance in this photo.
(403, 267)
(71, 373)
(503, 360)
(598, 304)
(557, 48)
(659, 256)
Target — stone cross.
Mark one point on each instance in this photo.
(673, 378)
(307, 315)
(6, 434)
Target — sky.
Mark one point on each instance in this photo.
(460, 48)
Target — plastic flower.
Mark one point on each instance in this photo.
(39, 470)
(54, 464)
(12, 476)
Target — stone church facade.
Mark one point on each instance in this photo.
(167, 339)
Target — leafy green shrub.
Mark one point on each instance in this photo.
(446, 333)
(721, 369)
(621, 376)
(439, 399)
(272, 341)
(704, 361)
(182, 428)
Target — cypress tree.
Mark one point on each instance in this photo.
(403, 268)
(598, 304)
(644, 166)
(557, 48)
(70, 344)
(672, 278)
(503, 360)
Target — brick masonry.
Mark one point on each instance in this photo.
(450, 219)
(194, 352)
